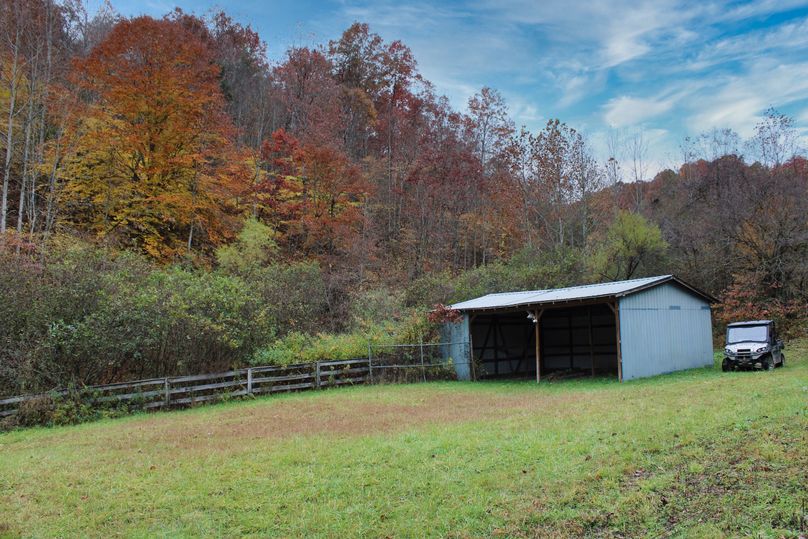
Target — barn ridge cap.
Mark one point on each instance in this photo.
(500, 300)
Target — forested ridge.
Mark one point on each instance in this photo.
(173, 201)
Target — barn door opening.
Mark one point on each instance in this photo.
(579, 339)
(575, 340)
(504, 345)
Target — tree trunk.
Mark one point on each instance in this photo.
(12, 101)
(29, 119)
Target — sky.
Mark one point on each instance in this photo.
(664, 68)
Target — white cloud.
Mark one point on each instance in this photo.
(627, 111)
(788, 37)
(683, 66)
(759, 8)
(617, 143)
(575, 86)
(525, 112)
(606, 33)
(743, 98)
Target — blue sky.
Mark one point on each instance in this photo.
(666, 68)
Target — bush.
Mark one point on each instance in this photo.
(87, 316)
(368, 307)
(300, 348)
(294, 295)
(430, 289)
(36, 411)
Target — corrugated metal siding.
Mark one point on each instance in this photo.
(664, 329)
(457, 335)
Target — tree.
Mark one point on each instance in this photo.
(253, 249)
(309, 97)
(775, 140)
(632, 247)
(637, 148)
(557, 175)
(490, 125)
(153, 165)
(12, 61)
(315, 197)
(356, 59)
(244, 71)
(749, 297)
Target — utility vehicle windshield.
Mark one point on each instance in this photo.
(747, 334)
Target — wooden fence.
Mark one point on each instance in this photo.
(178, 391)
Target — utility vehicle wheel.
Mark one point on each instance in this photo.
(726, 366)
(768, 364)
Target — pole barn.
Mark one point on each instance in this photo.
(628, 329)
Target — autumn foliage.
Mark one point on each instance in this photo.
(154, 165)
(441, 314)
(315, 196)
(328, 190)
(748, 298)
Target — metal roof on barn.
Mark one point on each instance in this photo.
(614, 289)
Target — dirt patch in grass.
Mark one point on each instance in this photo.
(335, 416)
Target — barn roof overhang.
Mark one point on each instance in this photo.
(570, 296)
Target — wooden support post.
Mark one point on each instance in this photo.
(168, 393)
(470, 344)
(616, 310)
(249, 381)
(317, 374)
(538, 314)
(591, 346)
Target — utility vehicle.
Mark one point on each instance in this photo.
(753, 345)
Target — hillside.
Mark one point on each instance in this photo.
(698, 453)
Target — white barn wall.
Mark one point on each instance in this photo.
(664, 329)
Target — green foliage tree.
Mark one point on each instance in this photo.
(633, 247)
(254, 248)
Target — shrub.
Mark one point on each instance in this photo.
(36, 411)
(87, 316)
(529, 269)
(294, 295)
(368, 307)
(297, 347)
(252, 251)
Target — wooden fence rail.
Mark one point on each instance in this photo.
(177, 391)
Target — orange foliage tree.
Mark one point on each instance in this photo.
(748, 298)
(153, 165)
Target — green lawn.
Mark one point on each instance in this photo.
(694, 454)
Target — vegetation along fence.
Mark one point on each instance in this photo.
(383, 364)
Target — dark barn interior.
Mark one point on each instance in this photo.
(579, 339)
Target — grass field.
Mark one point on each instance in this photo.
(694, 454)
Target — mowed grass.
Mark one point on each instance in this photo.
(693, 454)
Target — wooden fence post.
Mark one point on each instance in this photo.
(317, 375)
(168, 393)
(370, 363)
(423, 368)
(249, 380)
